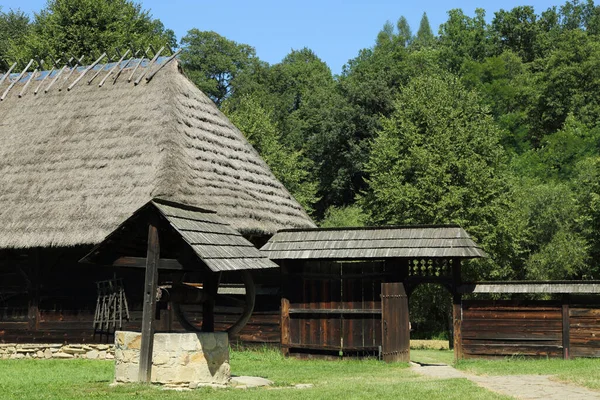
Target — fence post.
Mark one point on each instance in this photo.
(566, 328)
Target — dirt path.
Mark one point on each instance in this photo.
(527, 387)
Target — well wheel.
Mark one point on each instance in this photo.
(247, 305)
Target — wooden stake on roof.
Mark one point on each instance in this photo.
(22, 93)
(17, 80)
(137, 81)
(113, 68)
(77, 63)
(43, 79)
(7, 73)
(149, 77)
(58, 75)
(138, 65)
(124, 66)
(85, 71)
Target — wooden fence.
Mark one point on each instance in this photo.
(529, 328)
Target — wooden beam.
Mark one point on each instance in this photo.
(140, 262)
(147, 344)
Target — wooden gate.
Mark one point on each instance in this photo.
(394, 323)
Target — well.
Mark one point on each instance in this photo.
(177, 358)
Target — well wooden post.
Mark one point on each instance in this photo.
(147, 344)
(285, 312)
(33, 313)
(211, 286)
(457, 310)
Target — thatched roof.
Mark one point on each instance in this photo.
(75, 163)
(425, 241)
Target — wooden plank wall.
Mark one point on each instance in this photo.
(334, 307)
(530, 328)
(505, 328)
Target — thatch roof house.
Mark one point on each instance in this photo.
(78, 158)
(75, 163)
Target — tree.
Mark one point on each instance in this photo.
(517, 30)
(437, 160)
(404, 32)
(463, 37)
(213, 62)
(68, 28)
(14, 26)
(424, 36)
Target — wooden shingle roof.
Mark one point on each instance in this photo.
(217, 244)
(439, 241)
(211, 239)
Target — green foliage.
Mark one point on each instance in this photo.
(213, 62)
(14, 27)
(339, 217)
(68, 28)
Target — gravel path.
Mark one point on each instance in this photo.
(527, 387)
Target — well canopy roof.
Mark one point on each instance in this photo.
(75, 163)
(432, 241)
(212, 240)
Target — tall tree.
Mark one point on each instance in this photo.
(424, 37)
(404, 32)
(213, 62)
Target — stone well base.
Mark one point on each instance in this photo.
(177, 358)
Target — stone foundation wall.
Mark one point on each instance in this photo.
(47, 351)
(177, 358)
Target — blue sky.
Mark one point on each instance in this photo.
(334, 29)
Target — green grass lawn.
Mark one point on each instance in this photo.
(83, 379)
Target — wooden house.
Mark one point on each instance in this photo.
(80, 151)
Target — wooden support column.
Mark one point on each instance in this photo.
(211, 286)
(33, 312)
(456, 310)
(566, 328)
(285, 312)
(147, 344)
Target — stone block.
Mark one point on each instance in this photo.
(92, 355)
(178, 358)
(60, 354)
